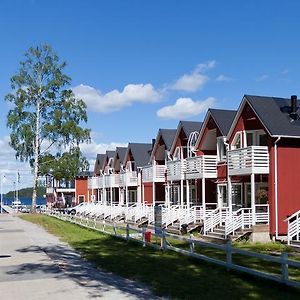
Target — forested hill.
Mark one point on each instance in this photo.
(27, 193)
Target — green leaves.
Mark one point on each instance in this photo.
(46, 116)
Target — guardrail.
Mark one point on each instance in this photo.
(293, 227)
(204, 166)
(249, 160)
(139, 235)
(154, 173)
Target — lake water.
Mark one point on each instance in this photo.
(25, 201)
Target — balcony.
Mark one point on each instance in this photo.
(176, 170)
(204, 166)
(95, 182)
(128, 178)
(111, 180)
(154, 173)
(250, 160)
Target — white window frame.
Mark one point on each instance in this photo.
(257, 134)
(221, 156)
(233, 143)
(78, 197)
(220, 194)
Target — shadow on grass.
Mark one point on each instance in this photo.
(68, 263)
(168, 274)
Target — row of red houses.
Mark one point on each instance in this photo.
(236, 169)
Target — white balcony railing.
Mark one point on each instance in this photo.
(112, 180)
(93, 183)
(128, 178)
(176, 170)
(154, 173)
(204, 166)
(250, 160)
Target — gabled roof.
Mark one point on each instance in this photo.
(140, 153)
(223, 119)
(273, 113)
(120, 151)
(188, 127)
(167, 135)
(99, 162)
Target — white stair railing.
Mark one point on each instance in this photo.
(293, 227)
(240, 219)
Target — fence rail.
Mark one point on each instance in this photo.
(140, 236)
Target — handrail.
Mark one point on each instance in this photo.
(292, 216)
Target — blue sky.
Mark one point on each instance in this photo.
(132, 61)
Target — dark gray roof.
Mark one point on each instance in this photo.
(223, 119)
(141, 153)
(190, 126)
(99, 162)
(121, 151)
(110, 154)
(274, 114)
(168, 136)
(85, 174)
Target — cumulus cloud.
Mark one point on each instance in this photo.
(91, 150)
(184, 108)
(195, 80)
(224, 78)
(116, 100)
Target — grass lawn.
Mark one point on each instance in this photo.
(167, 274)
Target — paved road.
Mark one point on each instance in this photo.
(36, 265)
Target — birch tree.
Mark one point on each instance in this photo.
(45, 115)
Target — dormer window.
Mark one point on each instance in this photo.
(130, 166)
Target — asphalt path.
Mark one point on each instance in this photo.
(37, 265)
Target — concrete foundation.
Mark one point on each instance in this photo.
(260, 233)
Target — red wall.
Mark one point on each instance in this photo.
(288, 181)
(222, 171)
(81, 186)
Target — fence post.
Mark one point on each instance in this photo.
(284, 267)
(127, 232)
(143, 236)
(228, 254)
(192, 245)
(163, 240)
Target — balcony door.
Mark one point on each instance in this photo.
(256, 138)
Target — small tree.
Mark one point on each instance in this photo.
(45, 113)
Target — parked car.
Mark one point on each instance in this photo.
(73, 210)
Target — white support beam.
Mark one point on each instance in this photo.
(253, 198)
(203, 197)
(181, 192)
(188, 195)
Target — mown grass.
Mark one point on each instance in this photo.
(167, 274)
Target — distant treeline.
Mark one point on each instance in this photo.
(26, 193)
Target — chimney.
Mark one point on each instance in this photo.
(153, 142)
(294, 108)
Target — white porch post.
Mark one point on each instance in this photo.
(203, 197)
(98, 195)
(88, 195)
(138, 189)
(219, 197)
(111, 195)
(188, 195)
(126, 195)
(153, 193)
(229, 195)
(167, 195)
(181, 192)
(253, 198)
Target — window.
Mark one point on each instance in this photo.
(130, 166)
(177, 153)
(256, 138)
(236, 196)
(237, 141)
(81, 198)
(221, 149)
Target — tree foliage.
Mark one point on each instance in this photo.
(45, 114)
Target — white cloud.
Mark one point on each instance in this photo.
(184, 108)
(195, 80)
(9, 167)
(91, 150)
(224, 78)
(262, 77)
(116, 100)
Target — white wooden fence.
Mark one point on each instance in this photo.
(139, 235)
